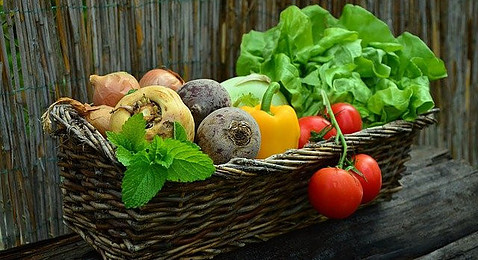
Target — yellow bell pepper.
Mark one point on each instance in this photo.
(279, 125)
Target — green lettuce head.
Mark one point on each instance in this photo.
(354, 58)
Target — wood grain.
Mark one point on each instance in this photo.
(464, 248)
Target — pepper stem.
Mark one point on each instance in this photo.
(339, 137)
(267, 97)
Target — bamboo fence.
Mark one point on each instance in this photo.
(48, 49)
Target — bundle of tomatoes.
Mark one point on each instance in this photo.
(337, 192)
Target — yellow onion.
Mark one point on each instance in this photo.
(162, 77)
(160, 106)
(110, 88)
(97, 116)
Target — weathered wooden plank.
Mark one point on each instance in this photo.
(62, 247)
(49, 66)
(424, 157)
(27, 88)
(464, 248)
(436, 207)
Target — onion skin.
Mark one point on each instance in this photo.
(110, 88)
(171, 106)
(99, 117)
(162, 77)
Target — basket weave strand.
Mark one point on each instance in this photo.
(245, 200)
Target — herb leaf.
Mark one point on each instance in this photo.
(149, 165)
(189, 164)
(132, 135)
(142, 180)
(158, 152)
(124, 155)
(179, 132)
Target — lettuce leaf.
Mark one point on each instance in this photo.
(354, 58)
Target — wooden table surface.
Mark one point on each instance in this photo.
(434, 216)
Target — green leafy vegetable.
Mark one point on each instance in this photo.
(179, 132)
(150, 165)
(354, 59)
(142, 180)
(132, 136)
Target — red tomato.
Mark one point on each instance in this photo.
(348, 117)
(370, 169)
(316, 124)
(334, 192)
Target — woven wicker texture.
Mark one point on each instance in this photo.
(245, 200)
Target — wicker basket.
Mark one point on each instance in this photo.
(245, 201)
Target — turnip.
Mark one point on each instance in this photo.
(161, 107)
(248, 90)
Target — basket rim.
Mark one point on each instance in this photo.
(63, 116)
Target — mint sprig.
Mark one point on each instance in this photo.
(142, 180)
(150, 164)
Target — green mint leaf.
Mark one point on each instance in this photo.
(192, 145)
(132, 135)
(180, 132)
(142, 180)
(189, 164)
(124, 155)
(134, 129)
(118, 139)
(158, 152)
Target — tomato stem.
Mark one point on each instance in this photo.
(352, 167)
(339, 138)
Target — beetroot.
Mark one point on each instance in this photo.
(203, 96)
